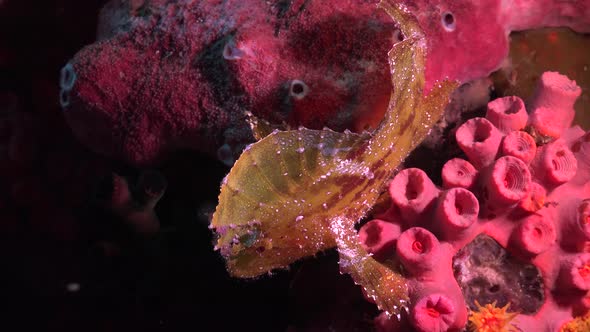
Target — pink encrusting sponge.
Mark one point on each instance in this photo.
(508, 234)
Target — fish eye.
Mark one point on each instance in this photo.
(448, 21)
(397, 36)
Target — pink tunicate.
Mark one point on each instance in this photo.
(457, 211)
(417, 249)
(510, 181)
(413, 192)
(535, 234)
(458, 172)
(520, 145)
(507, 114)
(480, 140)
(379, 237)
(552, 106)
(434, 312)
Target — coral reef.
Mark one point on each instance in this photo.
(525, 189)
(181, 74)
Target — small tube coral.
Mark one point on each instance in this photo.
(553, 104)
(413, 192)
(417, 249)
(520, 145)
(457, 211)
(480, 140)
(434, 312)
(458, 172)
(507, 114)
(509, 181)
(535, 234)
(557, 164)
(379, 237)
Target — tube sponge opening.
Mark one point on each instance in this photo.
(457, 210)
(520, 145)
(480, 140)
(413, 192)
(507, 113)
(558, 162)
(417, 249)
(510, 181)
(458, 172)
(434, 312)
(535, 234)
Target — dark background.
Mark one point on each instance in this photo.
(53, 236)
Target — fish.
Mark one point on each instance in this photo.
(298, 192)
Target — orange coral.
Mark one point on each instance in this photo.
(579, 324)
(490, 318)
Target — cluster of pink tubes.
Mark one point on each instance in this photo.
(524, 183)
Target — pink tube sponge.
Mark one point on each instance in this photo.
(535, 234)
(520, 145)
(552, 107)
(434, 312)
(418, 250)
(512, 231)
(557, 163)
(507, 113)
(458, 172)
(509, 182)
(480, 140)
(457, 211)
(413, 192)
(379, 237)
